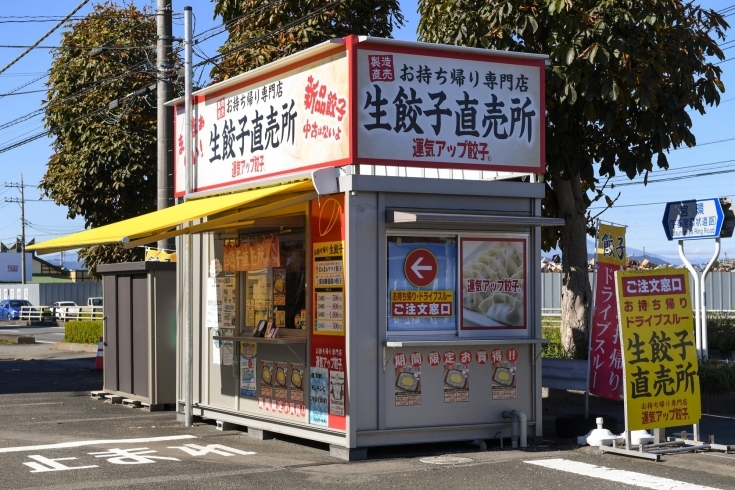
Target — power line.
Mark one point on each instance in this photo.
(209, 60)
(681, 177)
(16, 89)
(677, 171)
(84, 2)
(35, 46)
(272, 33)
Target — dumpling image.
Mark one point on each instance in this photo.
(503, 376)
(407, 382)
(266, 376)
(455, 378)
(496, 273)
(296, 378)
(281, 376)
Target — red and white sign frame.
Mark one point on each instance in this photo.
(341, 66)
(499, 329)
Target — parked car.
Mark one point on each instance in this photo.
(10, 308)
(96, 301)
(65, 309)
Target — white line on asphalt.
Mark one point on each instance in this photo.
(46, 342)
(620, 476)
(14, 331)
(63, 445)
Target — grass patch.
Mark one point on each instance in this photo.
(552, 350)
(83, 332)
(550, 322)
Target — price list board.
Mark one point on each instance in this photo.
(329, 288)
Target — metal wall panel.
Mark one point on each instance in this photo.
(433, 411)
(124, 334)
(366, 325)
(164, 304)
(79, 292)
(26, 291)
(140, 340)
(110, 334)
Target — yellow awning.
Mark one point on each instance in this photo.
(162, 224)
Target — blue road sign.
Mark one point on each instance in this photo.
(693, 219)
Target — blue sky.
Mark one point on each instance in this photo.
(639, 207)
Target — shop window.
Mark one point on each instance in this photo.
(422, 284)
(278, 291)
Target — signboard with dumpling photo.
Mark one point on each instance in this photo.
(493, 279)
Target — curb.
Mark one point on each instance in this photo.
(71, 347)
(17, 339)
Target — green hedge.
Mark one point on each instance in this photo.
(716, 377)
(83, 332)
(720, 333)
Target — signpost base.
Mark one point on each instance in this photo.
(654, 451)
(683, 439)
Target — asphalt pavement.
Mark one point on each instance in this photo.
(54, 436)
(43, 335)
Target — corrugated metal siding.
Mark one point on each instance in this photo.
(72, 291)
(719, 288)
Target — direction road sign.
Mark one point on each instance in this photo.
(693, 219)
(420, 267)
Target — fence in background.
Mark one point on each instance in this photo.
(719, 288)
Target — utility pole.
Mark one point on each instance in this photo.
(164, 67)
(22, 226)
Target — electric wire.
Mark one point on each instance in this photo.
(272, 33)
(84, 2)
(240, 47)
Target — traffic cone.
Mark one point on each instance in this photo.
(100, 356)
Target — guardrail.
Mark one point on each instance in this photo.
(564, 374)
(63, 313)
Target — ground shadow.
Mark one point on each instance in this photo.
(49, 375)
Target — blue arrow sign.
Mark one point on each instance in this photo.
(693, 219)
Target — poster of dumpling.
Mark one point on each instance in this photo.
(493, 273)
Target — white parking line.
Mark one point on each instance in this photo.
(620, 476)
(63, 445)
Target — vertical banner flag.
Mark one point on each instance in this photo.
(328, 385)
(659, 356)
(605, 359)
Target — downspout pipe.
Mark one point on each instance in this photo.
(518, 423)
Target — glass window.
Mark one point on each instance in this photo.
(494, 283)
(422, 278)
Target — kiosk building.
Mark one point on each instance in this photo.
(366, 227)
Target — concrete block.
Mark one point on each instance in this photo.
(260, 434)
(225, 426)
(17, 339)
(347, 454)
(113, 399)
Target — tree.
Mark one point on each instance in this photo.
(250, 20)
(622, 76)
(103, 165)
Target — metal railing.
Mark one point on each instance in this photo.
(63, 313)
